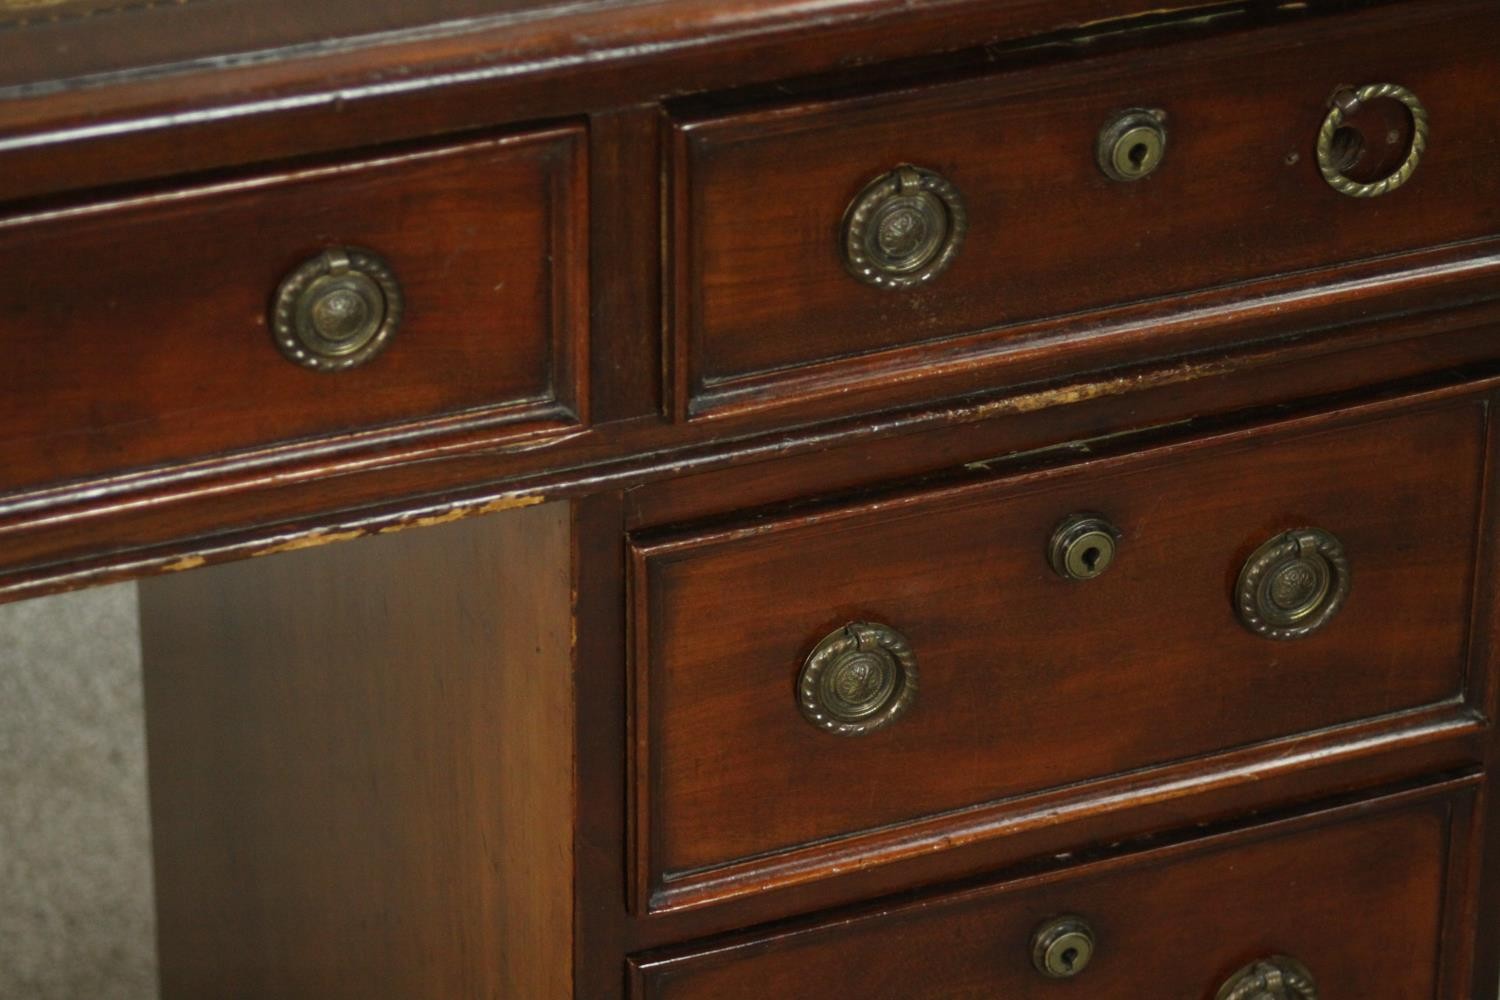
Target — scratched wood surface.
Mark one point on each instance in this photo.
(159, 348)
(196, 340)
(397, 754)
(1175, 922)
(1027, 681)
(763, 308)
(246, 80)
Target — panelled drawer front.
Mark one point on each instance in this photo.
(1356, 897)
(766, 309)
(1027, 681)
(140, 331)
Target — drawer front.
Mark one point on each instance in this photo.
(768, 310)
(142, 331)
(1355, 897)
(1025, 681)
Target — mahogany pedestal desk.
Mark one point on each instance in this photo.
(707, 499)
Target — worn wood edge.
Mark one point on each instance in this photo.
(544, 40)
(143, 127)
(515, 424)
(1258, 769)
(516, 577)
(656, 892)
(654, 461)
(1448, 788)
(651, 543)
(1355, 364)
(840, 382)
(1447, 285)
(321, 460)
(1235, 313)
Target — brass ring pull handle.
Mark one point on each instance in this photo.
(337, 310)
(1274, 978)
(858, 679)
(903, 229)
(1345, 103)
(1293, 584)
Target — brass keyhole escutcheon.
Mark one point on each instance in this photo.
(1133, 145)
(1063, 947)
(1082, 546)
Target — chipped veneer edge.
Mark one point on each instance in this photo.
(459, 513)
(327, 536)
(1081, 392)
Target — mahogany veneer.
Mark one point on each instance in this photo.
(647, 437)
(1029, 681)
(1178, 920)
(156, 347)
(763, 305)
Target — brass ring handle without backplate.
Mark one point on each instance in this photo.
(1344, 104)
(1276, 978)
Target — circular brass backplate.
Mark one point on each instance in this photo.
(1293, 584)
(858, 679)
(337, 310)
(903, 229)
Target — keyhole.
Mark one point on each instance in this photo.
(1069, 958)
(1091, 558)
(1138, 154)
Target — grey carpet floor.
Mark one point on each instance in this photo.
(75, 867)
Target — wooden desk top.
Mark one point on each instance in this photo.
(115, 76)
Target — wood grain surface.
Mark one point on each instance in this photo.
(532, 731)
(150, 340)
(764, 307)
(361, 767)
(1028, 681)
(1174, 922)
